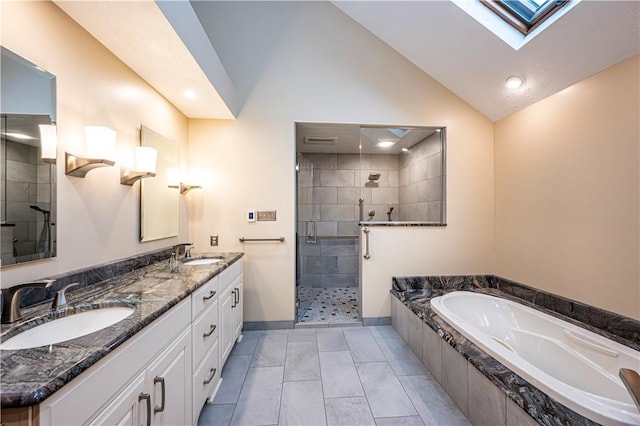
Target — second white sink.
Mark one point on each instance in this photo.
(67, 328)
(206, 261)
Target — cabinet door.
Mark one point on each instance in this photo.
(169, 383)
(129, 408)
(226, 323)
(237, 308)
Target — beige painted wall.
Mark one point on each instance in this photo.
(318, 72)
(97, 217)
(567, 192)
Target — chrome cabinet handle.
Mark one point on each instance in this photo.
(367, 255)
(234, 298)
(212, 328)
(146, 397)
(213, 373)
(161, 381)
(209, 296)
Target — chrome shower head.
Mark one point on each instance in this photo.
(373, 176)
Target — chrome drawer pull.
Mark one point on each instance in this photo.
(211, 294)
(161, 381)
(146, 397)
(211, 330)
(213, 373)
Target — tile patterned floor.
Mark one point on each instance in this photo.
(330, 305)
(328, 376)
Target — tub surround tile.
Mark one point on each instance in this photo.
(29, 376)
(432, 352)
(455, 377)
(487, 403)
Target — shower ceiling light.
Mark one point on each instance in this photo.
(385, 144)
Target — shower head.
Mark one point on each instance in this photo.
(373, 176)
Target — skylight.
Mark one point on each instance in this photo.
(524, 15)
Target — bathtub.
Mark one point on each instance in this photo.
(570, 364)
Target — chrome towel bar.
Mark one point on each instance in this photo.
(244, 240)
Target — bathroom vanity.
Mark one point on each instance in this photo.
(157, 366)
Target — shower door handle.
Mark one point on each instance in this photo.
(311, 235)
(367, 255)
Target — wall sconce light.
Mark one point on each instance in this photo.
(174, 181)
(48, 143)
(146, 158)
(101, 145)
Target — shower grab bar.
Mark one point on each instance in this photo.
(366, 231)
(311, 237)
(631, 381)
(243, 239)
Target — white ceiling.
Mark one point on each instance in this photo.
(437, 36)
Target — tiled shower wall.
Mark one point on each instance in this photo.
(25, 181)
(420, 181)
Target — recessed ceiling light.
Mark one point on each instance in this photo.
(514, 82)
(189, 94)
(385, 144)
(405, 149)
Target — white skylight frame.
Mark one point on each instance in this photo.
(502, 29)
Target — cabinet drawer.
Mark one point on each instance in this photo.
(203, 297)
(205, 380)
(228, 275)
(204, 334)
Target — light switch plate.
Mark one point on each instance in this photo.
(251, 216)
(267, 215)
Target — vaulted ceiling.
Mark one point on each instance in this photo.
(437, 36)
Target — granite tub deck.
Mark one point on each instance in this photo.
(415, 294)
(29, 376)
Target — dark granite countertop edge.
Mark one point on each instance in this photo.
(31, 393)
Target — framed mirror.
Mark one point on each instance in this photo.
(158, 201)
(27, 176)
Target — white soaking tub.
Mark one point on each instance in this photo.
(570, 364)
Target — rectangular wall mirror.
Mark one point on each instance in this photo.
(158, 201)
(27, 180)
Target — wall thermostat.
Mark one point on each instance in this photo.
(251, 216)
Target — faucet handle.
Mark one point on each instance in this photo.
(60, 300)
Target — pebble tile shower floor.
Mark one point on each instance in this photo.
(332, 305)
(328, 376)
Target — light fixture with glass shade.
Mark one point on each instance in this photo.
(48, 143)
(146, 158)
(101, 145)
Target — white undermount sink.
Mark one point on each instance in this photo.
(206, 261)
(67, 328)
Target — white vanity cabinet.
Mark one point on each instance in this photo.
(231, 308)
(118, 389)
(161, 395)
(205, 338)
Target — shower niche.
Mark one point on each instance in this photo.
(348, 176)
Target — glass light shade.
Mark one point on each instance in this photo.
(173, 177)
(101, 142)
(48, 141)
(146, 159)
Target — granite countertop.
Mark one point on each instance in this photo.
(29, 376)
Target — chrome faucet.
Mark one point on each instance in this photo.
(175, 254)
(11, 299)
(60, 301)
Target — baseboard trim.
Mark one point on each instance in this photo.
(376, 321)
(267, 325)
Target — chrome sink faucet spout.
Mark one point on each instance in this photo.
(11, 299)
(175, 254)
